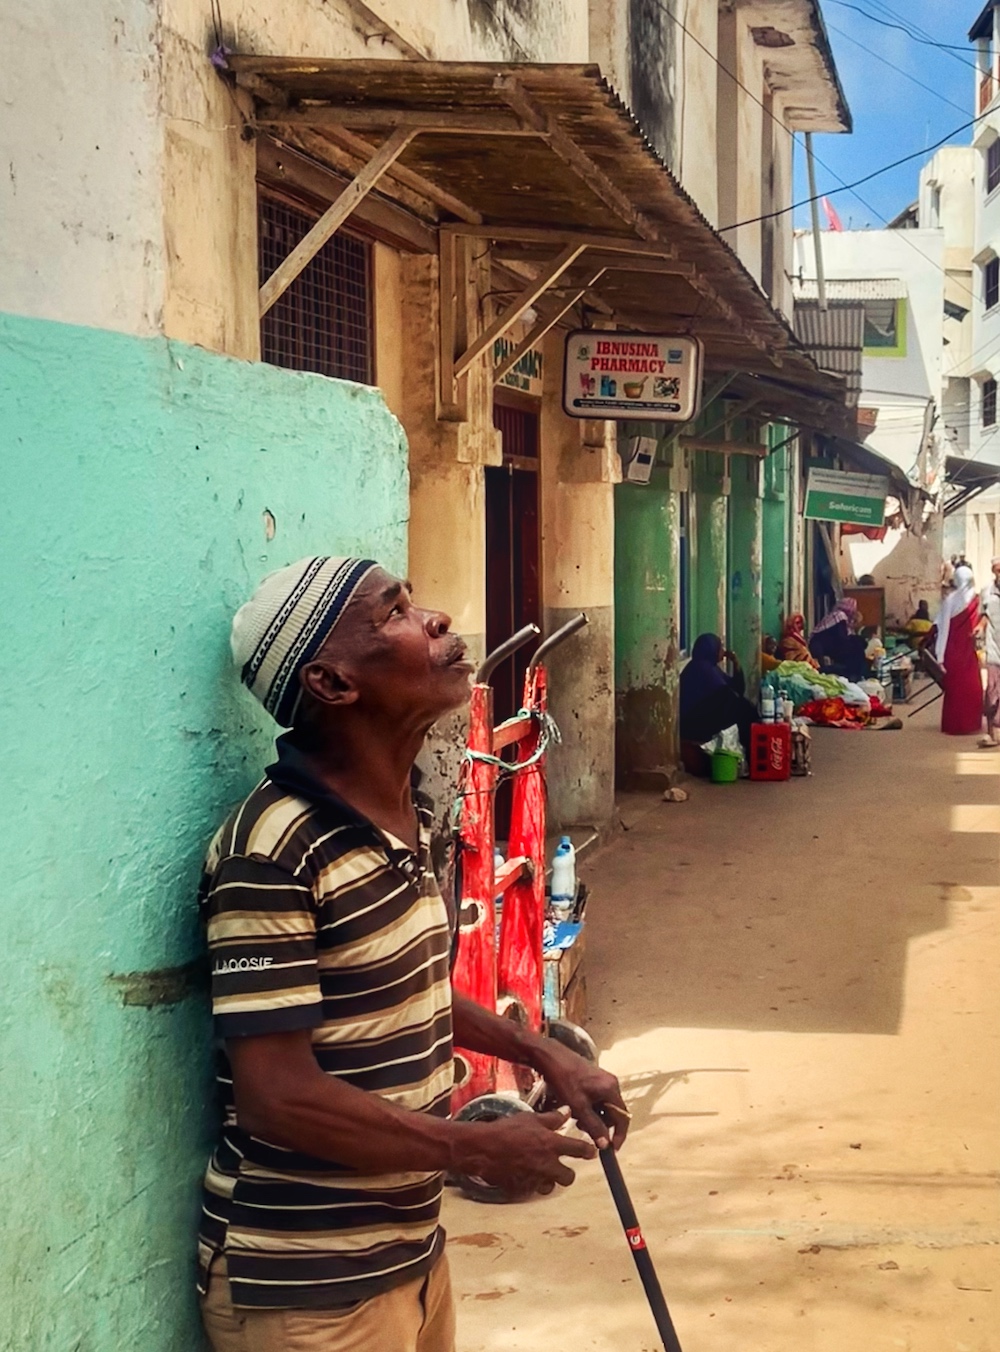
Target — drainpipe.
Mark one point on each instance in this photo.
(814, 205)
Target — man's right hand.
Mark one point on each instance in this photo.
(522, 1154)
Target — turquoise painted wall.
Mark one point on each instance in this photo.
(135, 476)
(646, 580)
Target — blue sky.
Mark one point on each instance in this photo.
(892, 115)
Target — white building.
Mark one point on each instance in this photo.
(975, 530)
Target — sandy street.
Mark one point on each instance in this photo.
(797, 984)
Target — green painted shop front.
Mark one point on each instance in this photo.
(704, 547)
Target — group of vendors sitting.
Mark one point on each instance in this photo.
(712, 699)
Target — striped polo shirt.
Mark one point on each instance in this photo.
(317, 919)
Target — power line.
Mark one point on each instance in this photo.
(892, 66)
(849, 187)
(911, 33)
(788, 132)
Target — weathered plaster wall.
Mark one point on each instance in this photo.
(138, 473)
(646, 636)
(579, 465)
(81, 236)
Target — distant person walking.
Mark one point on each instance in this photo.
(957, 621)
(991, 618)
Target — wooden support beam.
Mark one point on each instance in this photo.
(518, 306)
(307, 248)
(543, 325)
(571, 154)
(448, 405)
(408, 178)
(281, 163)
(368, 117)
(723, 447)
(528, 234)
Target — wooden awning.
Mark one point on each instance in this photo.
(548, 165)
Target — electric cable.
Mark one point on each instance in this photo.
(899, 69)
(911, 33)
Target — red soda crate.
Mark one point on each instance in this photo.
(770, 751)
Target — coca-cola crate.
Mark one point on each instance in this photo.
(770, 751)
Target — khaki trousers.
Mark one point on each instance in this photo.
(417, 1317)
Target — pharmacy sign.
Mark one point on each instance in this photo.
(640, 377)
(836, 495)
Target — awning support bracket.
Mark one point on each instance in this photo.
(516, 309)
(543, 325)
(331, 220)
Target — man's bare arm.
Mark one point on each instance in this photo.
(579, 1085)
(283, 1096)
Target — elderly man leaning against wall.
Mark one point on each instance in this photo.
(330, 946)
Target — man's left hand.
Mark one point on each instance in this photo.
(582, 1087)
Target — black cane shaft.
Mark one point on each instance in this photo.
(636, 1242)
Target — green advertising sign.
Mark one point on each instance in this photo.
(835, 495)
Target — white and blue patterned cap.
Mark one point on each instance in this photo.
(286, 622)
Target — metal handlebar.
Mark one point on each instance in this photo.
(553, 640)
(500, 654)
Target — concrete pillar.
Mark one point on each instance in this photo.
(710, 498)
(646, 646)
(579, 466)
(775, 542)
(447, 537)
(745, 566)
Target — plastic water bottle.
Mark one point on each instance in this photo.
(498, 863)
(563, 880)
(767, 702)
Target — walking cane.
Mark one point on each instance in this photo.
(637, 1244)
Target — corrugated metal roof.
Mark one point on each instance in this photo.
(834, 338)
(487, 132)
(842, 324)
(853, 288)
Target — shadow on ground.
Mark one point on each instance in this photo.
(786, 906)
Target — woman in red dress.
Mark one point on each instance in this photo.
(962, 709)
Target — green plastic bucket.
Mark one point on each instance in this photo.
(725, 767)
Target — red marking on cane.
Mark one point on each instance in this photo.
(635, 1238)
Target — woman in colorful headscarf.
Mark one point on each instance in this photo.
(835, 644)
(957, 621)
(794, 647)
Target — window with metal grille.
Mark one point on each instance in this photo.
(323, 322)
(991, 283)
(989, 403)
(993, 165)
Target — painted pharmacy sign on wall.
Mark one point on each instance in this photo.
(647, 377)
(835, 495)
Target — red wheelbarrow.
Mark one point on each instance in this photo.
(504, 971)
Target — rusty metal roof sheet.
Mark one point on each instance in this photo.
(834, 338)
(550, 147)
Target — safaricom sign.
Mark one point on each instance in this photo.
(648, 377)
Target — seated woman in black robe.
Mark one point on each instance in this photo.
(710, 700)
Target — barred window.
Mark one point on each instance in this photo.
(993, 166)
(323, 322)
(991, 283)
(989, 403)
